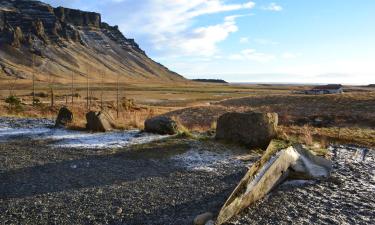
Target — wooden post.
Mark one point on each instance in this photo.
(72, 88)
(50, 80)
(118, 94)
(88, 90)
(102, 90)
(33, 67)
(52, 97)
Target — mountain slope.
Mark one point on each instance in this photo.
(65, 42)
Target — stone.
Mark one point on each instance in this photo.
(64, 117)
(253, 129)
(78, 17)
(99, 122)
(204, 218)
(118, 211)
(277, 164)
(161, 125)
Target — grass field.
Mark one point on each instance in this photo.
(348, 117)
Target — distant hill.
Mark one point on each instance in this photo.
(68, 41)
(372, 85)
(211, 81)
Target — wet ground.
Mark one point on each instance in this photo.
(62, 177)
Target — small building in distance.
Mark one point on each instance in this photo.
(324, 89)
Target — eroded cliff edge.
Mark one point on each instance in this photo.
(63, 41)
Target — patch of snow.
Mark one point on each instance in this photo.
(12, 129)
(207, 161)
(101, 140)
(7, 133)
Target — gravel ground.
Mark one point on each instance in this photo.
(347, 198)
(167, 182)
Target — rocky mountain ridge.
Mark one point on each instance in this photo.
(63, 41)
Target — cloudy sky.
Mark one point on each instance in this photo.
(303, 41)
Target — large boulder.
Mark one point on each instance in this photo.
(99, 122)
(64, 117)
(280, 162)
(253, 129)
(161, 125)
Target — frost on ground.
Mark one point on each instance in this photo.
(196, 160)
(40, 129)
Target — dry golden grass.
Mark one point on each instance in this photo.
(349, 118)
(326, 135)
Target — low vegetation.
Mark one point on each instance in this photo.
(345, 118)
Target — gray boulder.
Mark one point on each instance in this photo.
(255, 130)
(99, 122)
(161, 125)
(64, 117)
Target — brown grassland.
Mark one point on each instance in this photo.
(342, 118)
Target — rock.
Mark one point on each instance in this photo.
(253, 129)
(2, 21)
(161, 125)
(204, 218)
(278, 163)
(118, 211)
(99, 122)
(78, 17)
(39, 31)
(64, 117)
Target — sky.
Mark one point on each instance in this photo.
(281, 41)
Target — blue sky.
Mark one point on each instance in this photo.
(302, 41)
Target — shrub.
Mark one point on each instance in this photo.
(14, 103)
(128, 104)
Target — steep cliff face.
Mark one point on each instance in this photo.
(68, 41)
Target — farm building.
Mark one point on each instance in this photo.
(325, 89)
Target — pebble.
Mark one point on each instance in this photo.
(119, 211)
(202, 219)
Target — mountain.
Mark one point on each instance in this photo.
(57, 43)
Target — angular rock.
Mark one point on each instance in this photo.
(253, 129)
(99, 122)
(202, 219)
(161, 125)
(64, 117)
(78, 17)
(278, 163)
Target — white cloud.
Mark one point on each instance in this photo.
(204, 39)
(289, 55)
(169, 25)
(252, 55)
(244, 40)
(273, 7)
(263, 41)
